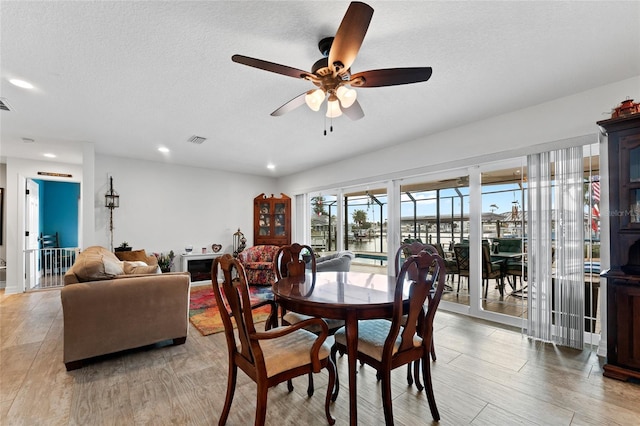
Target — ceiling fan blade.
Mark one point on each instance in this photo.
(354, 112)
(294, 103)
(391, 77)
(269, 66)
(350, 35)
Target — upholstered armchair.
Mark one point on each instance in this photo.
(258, 264)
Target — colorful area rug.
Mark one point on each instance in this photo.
(204, 314)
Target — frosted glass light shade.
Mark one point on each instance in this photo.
(347, 96)
(314, 99)
(333, 109)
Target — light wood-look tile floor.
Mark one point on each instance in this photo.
(484, 374)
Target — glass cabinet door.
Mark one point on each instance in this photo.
(634, 164)
(265, 219)
(633, 181)
(279, 219)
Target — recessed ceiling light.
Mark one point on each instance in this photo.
(271, 166)
(163, 149)
(21, 83)
(49, 155)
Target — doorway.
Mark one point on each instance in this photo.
(52, 227)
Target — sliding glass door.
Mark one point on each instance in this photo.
(436, 212)
(477, 218)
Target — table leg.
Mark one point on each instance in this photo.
(351, 328)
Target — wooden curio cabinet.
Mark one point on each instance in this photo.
(272, 220)
(623, 278)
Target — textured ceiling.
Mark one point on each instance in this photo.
(132, 76)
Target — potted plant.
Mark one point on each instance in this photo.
(124, 246)
(165, 261)
(306, 256)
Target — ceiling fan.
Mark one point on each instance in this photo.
(332, 74)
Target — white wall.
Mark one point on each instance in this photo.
(516, 133)
(165, 207)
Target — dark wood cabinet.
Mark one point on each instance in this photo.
(272, 220)
(623, 277)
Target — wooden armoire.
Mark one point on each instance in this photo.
(623, 278)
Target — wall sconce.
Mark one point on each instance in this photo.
(111, 201)
(239, 242)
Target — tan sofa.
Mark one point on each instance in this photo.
(106, 311)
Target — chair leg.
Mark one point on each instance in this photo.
(386, 397)
(231, 387)
(426, 373)
(290, 385)
(409, 375)
(261, 404)
(433, 350)
(336, 388)
(416, 368)
(310, 389)
(331, 368)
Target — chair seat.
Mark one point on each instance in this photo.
(371, 337)
(290, 351)
(294, 318)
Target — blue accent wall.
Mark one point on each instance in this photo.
(59, 210)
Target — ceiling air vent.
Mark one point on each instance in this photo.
(4, 105)
(197, 139)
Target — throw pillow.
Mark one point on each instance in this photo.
(139, 268)
(112, 266)
(90, 267)
(132, 255)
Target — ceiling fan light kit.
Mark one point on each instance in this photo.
(314, 99)
(332, 74)
(333, 109)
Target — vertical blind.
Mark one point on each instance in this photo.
(556, 208)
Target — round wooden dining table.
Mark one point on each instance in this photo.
(350, 296)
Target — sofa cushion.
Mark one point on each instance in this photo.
(139, 267)
(90, 267)
(132, 255)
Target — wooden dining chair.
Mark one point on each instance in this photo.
(386, 345)
(289, 262)
(404, 252)
(268, 357)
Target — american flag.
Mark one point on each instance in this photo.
(595, 189)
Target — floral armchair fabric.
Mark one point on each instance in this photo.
(258, 264)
